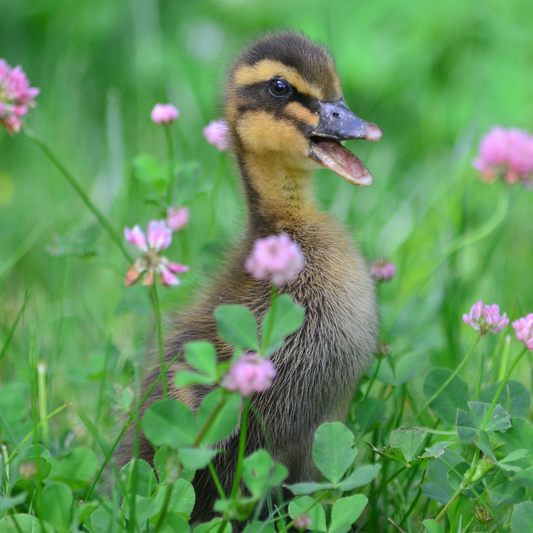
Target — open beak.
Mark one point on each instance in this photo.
(337, 123)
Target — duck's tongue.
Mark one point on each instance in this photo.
(337, 158)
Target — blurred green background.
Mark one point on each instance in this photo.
(434, 75)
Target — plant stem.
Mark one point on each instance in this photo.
(210, 420)
(504, 359)
(163, 513)
(373, 379)
(444, 510)
(242, 448)
(171, 160)
(157, 313)
(448, 381)
(387, 481)
(41, 390)
(214, 196)
(500, 388)
(27, 297)
(216, 480)
(81, 193)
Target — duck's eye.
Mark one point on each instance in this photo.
(279, 88)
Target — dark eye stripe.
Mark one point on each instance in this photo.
(255, 98)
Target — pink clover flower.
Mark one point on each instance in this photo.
(16, 97)
(276, 257)
(486, 319)
(165, 114)
(250, 373)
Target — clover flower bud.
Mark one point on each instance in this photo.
(165, 114)
(382, 269)
(302, 522)
(217, 134)
(177, 219)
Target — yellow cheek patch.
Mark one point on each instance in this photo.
(268, 68)
(259, 131)
(301, 113)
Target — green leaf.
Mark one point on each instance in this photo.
(8, 503)
(345, 512)
(77, 466)
(453, 397)
(261, 474)
(435, 492)
(202, 356)
(170, 422)
(308, 488)
(237, 326)
(172, 523)
(385, 373)
(333, 451)
(515, 456)
(182, 498)
(186, 378)
(145, 482)
(226, 420)
(499, 420)
(524, 478)
(395, 454)
(57, 502)
(288, 318)
(23, 523)
(369, 414)
(504, 491)
(519, 436)
(167, 462)
(437, 449)
(432, 526)
(304, 506)
(522, 518)
(213, 527)
(360, 477)
(410, 441)
(101, 519)
(196, 458)
(149, 171)
(439, 487)
(145, 509)
(483, 443)
(408, 366)
(519, 396)
(466, 427)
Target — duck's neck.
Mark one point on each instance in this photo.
(279, 196)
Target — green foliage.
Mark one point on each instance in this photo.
(237, 326)
(420, 78)
(281, 320)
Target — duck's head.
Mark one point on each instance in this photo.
(284, 101)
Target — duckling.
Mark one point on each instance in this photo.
(286, 114)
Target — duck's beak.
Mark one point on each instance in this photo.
(337, 123)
